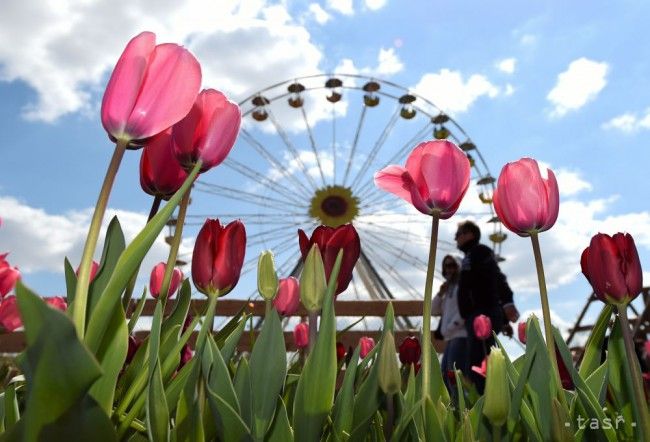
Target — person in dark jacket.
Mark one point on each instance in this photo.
(482, 290)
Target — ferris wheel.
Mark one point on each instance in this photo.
(306, 155)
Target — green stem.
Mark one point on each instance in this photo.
(313, 328)
(546, 314)
(174, 246)
(390, 418)
(155, 205)
(496, 433)
(637, 380)
(83, 278)
(207, 321)
(426, 314)
(268, 307)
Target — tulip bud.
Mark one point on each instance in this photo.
(521, 331)
(267, 278)
(8, 276)
(301, 335)
(10, 318)
(497, 393)
(482, 327)
(340, 351)
(156, 279)
(287, 301)
(94, 267)
(57, 302)
(312, 281)
(389, 378)
(366, 345)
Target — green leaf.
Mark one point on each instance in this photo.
(114, 245)
(128, 261)
(597, 383)
(111, 356)
(157, 410)
(432, 428)
(231, 425)
(232, 340)
(84, 421)
(541, 382)
(280, 429)
(70, 281)
(189, 420)
(11, 411)
(618, 380)
(344, 404)
(268, 368)
(180, 310)
(243, 389)
(133, 320)
(315, 392)
(58, 380)
(594, 345)
(226, 330)
(518, 393)
(177, 384)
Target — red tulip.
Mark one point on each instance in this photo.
(482, 370)
(330, 240)
(646, 348)
(436, 177)
(161, 174)
(134, 344)
(451, 377)
(410, 350)
(524, 201)
(94, 267)
(565, 377)
(301, 335)
(287, 300)
(8, 276)
(57, 302)
(151, 88)
(155, 281)
(340, 351)
(208, 132)
(482, 327)
(366, 345)
(611, 265)
(521, 331)
(9, 315)
(186, 356)
(218, 256)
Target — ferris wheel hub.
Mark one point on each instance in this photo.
(334, 206)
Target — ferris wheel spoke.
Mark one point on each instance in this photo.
(276, 229)
(334, 142)
(381, 197)
(419, 135)
(241, 195)
(383, 241)
(312, 142)
(277, 165)
(293, 150)
(261, 179)
(389, 270)
(354, 143)
(377, 147)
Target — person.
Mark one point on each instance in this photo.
(451, 326)
(482, 290)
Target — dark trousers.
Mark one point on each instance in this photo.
(456, 355)
(478, 350)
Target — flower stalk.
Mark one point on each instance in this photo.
(426, 314)
(80, 304)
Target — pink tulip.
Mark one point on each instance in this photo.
(287, 300)
(301, 335)
(156, 279)
(151, 88)
(9, 315)
(94, 267)
(612, 267)
(366, 345)
(646, 348)
(482, 370)
(57, 302)
(436, 177)
(218, 256)
(8, 276)
(208, 132)
(482, 327)
(161, 174)
(186, 356)
(521, 331)
(524, 201)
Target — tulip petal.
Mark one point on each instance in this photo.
(398, 181)
(303, 242)
(222, 127)
(125, 83)
(160, 173)
(345, 237)
(170, 86)
(605, 267)
(203, 255)
(632, 265)
(229, 257)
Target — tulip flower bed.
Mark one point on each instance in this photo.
(84, 377)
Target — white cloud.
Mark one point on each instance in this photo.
(528, 40)
(375, 4)
(507, 65)
(570, 182)
(39, 241)
(388, 63)
(509, 90)
(240, 44)
(341, 6)
(629, 122)
(453, 94)
(319, 14)
(579, 84)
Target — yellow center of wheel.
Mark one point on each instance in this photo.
(334, 206)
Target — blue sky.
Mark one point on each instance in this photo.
(565, 83)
